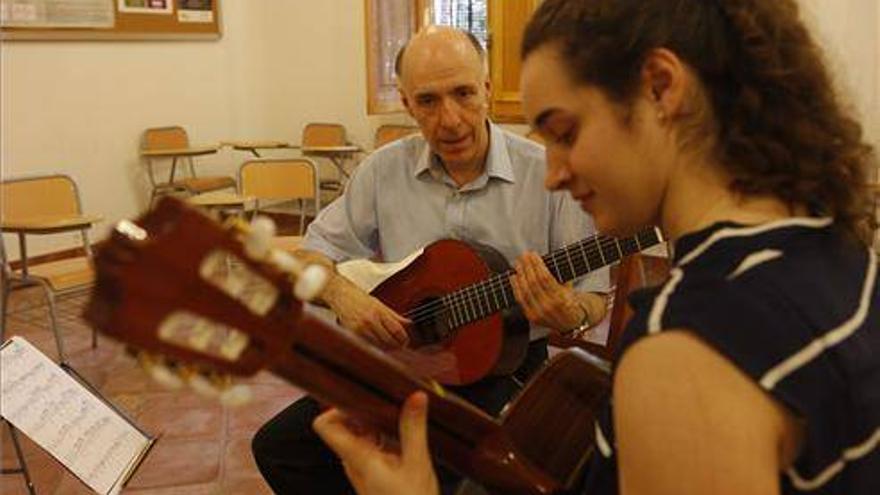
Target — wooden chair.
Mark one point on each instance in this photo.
(392, 132)
(328, 135)
(281, 180)
(324, 134)
(173, 143)
(37, 206)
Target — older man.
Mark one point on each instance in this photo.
(463, 178)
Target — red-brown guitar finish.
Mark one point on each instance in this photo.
(495, 344)
(466, 322)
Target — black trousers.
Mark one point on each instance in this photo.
(294, 460)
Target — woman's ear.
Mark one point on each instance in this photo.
(664, 82)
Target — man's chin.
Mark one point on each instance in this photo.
(459, 158)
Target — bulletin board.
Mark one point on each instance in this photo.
(109, 19)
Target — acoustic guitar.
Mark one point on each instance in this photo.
(466, 321)
(204, 303)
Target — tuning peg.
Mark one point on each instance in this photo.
(259, 240)
(159, 372)
(236, 395)
(202, 385)
(311, 279)
(164, 376)
(310, 282)
(286, 262)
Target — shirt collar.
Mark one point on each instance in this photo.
(497, 160)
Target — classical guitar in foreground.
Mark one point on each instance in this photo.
(466, 322)
(203, 303)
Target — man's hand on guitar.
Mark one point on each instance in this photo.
(545, 301)
(371, 466)
(364, 314)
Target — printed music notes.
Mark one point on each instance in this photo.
(88, 436)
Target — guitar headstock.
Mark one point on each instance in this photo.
(199, 301)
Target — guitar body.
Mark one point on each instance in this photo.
(495, 344)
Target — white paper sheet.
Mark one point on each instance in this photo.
(65, 418)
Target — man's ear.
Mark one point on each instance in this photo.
(665, 81)
(487, 85)
(405, 101)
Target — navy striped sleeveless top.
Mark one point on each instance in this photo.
(796, 306)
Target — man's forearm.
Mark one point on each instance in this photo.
(336, 284)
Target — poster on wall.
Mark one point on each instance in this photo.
(195, 10)
(57, 13)
(146, 6)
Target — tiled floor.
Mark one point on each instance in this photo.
(204, 446)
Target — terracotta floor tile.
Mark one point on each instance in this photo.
(178, 416)
(238, 462)
(267, 401)
(252, 486)
(44, 470)
(70, 485)
(179, 461)
(198, 489)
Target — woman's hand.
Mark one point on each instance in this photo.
(372, 467)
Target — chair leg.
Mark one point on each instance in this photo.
(53, 320)
(4, 308)
(302, 217)
(22, 465)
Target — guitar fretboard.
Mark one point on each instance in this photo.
(480, 300)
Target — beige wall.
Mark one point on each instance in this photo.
(80, 107)
(849, 30)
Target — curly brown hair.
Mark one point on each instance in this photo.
(779, 126)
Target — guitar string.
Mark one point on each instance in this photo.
(460, 298)
(473, 295)
(484, 289)
(456, 302)
(491, 286)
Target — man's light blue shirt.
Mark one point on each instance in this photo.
(400, 199)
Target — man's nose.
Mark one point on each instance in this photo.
(450, 115)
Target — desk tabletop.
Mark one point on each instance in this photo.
(219, 199)
(191, 151)
(49, 224)
(244, 144)
(328, 150)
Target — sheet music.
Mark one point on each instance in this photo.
(61, 415)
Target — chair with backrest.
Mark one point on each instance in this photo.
(326, 135)
(278, 180)
(38, 206)
(158, 139)
(392, 132)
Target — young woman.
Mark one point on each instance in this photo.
(756, 367)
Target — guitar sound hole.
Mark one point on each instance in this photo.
(429, 324)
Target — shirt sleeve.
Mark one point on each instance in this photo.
(348, 228)
(570, 224)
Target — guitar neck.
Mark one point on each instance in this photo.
(480, 300)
